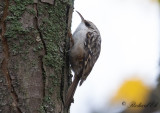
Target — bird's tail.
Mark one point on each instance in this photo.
(71, 91)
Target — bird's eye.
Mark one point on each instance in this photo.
(87, 24)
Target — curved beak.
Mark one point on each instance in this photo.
(81, 16)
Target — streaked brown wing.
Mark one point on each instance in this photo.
(92, 46)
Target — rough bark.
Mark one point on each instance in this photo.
(34, 66)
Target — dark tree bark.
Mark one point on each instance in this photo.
(34, 65)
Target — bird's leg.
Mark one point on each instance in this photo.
(71, 39)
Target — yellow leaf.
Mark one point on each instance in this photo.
(132, 91)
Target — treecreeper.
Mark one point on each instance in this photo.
(84, 52)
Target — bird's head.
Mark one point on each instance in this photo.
(86, 23)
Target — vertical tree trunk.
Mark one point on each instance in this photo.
(34, 66)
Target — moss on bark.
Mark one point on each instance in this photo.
(38, 66)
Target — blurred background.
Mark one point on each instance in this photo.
(127, 71)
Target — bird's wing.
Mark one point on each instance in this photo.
(92, 47)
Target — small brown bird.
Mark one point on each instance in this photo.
(85, 50)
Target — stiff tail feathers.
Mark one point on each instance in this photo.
(71, 91)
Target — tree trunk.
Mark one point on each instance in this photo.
(34, 62)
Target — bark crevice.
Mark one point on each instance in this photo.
(66, 70)
(4, 64)
(45, 52)
(37, 27)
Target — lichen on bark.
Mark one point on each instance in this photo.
(38, 68)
